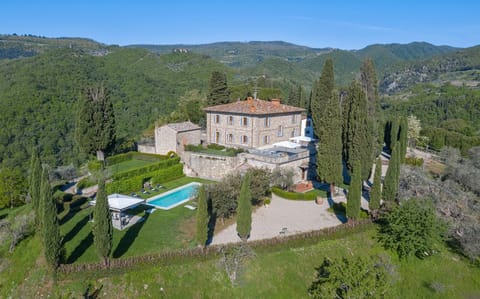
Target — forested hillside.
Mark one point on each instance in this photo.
(14, 46)
(38, 96)
(449, 115)
(41, 79)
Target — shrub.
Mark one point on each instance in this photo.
(215, 147)
(293, 195)
(86, 182)
(412, 228)
(125, 185)
(414, 161)
(357, 277)
(60, 196)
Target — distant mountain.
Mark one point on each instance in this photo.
(303, 64)
(16, 46)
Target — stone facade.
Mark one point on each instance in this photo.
(172, 137)
(252, 123)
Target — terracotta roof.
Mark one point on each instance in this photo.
(254, 106)
(185, 126)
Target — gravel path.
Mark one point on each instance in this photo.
(284, 216)
(271, 221)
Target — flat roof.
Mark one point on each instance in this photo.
(119, 202)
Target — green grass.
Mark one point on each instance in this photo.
(286, 273)
(127, 165)
(160, 231)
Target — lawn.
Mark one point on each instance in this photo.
(285, 273)
(161, 230)
(127, 165)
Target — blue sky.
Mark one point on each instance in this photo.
(339, 24)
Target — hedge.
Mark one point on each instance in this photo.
(168, 174)
(145, 169)
(293, 195)
(136, 183)
(112, 160)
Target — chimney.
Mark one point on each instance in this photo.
(250, 100)
(275, 102)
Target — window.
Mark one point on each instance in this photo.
(230, 138)
(244, 121)
(217, 137)
(266, 139)
(280, 131)
(294, 119)
(217, 118)
(266, 122)
(244, 139)
(230, 120)
(294, 132)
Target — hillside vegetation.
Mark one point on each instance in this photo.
(38, 96)
(41, 79)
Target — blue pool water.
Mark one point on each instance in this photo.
(175, 197)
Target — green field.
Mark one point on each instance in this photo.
(284, 272)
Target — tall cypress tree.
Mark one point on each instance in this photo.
(355, 131)
(326, 115)
(376, 191)
(218, 92)
(390, 186)
(244, 210)
(369, 82)
(402, 138)
(102, 226)
(95, 126)
(52, 241)
(394, 129)
(34, 182)
(202, 217)
(354, 194)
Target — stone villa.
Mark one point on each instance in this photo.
(252, 123)
(272, 134)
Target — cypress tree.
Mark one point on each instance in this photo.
(376, 191)
(390, 186)
(394, 128)
(102, 226)
(402, 138)
(52, 241)
(354, 194)
(218, 92)
(326, 115)
(369, 82)
(202, 217)
(95, 126)
(34, 183)
(355, 131)
(244, 210)
(295, 96)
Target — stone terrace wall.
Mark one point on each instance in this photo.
(209, 166)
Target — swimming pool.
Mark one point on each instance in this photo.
(175, 197)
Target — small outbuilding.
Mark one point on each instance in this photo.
(173, 137)
(118, 204)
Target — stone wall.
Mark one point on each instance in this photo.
(209, 166)
(188, 137)
(217, 167)
(148, 149)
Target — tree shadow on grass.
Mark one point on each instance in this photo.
(129, 237)
(80, 224)
(211, 227)
(81, 248)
